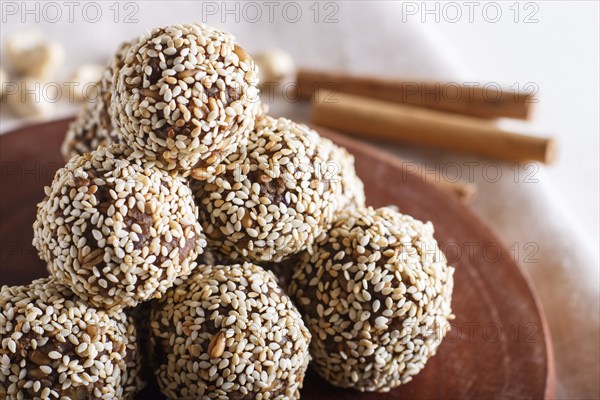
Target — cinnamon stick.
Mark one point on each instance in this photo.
(479, 100)
(463, 190)
(376, 119)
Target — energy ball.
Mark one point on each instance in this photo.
(186, 95)
(117, 229)
(93, 127)
(269, 199)
(54, 346)
(229, 332)
(376, 297)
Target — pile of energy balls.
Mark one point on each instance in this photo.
(222, 249)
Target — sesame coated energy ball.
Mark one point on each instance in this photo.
(117, 229)
(229, 332)
(54, 346)
(93, 127)
(376, 297)
(186, 95)
(269, 199)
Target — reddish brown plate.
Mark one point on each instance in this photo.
(499, 345)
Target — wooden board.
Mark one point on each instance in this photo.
(499, 345)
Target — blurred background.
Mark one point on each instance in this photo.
(551, 46)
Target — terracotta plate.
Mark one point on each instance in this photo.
(498, 347)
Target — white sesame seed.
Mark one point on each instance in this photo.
(45, 369)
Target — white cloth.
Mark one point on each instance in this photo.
(373, 39)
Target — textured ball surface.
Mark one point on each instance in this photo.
(229, 332)
(186, 95)
(271, 198)
(54, 346)
(91, 129)
(376, 297)
(117, 229)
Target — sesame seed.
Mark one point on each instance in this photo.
(45, 369)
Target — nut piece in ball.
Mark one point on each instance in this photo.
(376, 297)
(186, 95)
(271, 198)
(229, 332)
(117, 229)
(54, 346)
